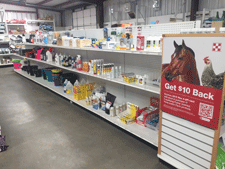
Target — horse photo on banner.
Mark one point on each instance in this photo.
(192, 78)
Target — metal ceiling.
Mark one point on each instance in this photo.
(54, 5)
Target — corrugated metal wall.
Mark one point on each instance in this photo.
(29, 16)
(168, 7)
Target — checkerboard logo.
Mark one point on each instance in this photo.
(217, 47)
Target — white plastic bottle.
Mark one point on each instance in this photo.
(64, 85)
(149, 43)
(76, 83)
(69, 88)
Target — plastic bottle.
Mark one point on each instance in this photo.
(112, 73)
(116, 72)
(64, 85)
(119, 71)
(57, 59)
(149, 43)
(76, 83)
(79, 63)
(217, 15)
(69, 88)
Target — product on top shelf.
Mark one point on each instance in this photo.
(140, 43)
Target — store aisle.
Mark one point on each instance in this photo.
(46, 131)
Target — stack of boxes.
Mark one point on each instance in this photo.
(82, 91)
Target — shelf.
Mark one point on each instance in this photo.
(30, 21)
(16, 24)
(10, 54)
(98, 50)
(148, 88)
(9, 64)
(144, 133)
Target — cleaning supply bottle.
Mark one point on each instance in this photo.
(64, 85)
(76, 83)
(79, 62)
(148, 43)
(69, 88)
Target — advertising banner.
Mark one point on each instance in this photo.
(192, 78)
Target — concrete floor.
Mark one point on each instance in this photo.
(46, 131)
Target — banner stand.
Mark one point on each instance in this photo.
(191, 108)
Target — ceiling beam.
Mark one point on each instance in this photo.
(78, 6)
(43, 2)
(65, 3)
(17, 3)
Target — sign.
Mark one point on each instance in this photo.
(192, 78)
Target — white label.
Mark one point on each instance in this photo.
(108, 104)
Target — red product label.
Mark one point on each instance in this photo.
(140, 42)
(195, 103)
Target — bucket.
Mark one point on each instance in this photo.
(57, 81)
(38, 73)
(44, 75)
(33, 68)
(48, 72)
(17, 65)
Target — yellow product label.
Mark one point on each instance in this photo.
(117, 47)
(159, 45)
(148, 46)
(153, 45)
(95, 67)
(68, 91)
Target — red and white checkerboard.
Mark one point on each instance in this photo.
(217, 47)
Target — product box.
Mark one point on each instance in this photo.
(140, 43)
(78, 92)
(128, 79)
(143, 114)
(129, 115)
(86, 67)
(59, 42)
(217, 25)
(83, 43)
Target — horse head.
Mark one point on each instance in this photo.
(182, 65)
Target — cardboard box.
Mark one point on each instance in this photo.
(217, 25)
(83, 43)
(59, 42)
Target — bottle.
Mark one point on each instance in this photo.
(56, 59)
(64, 85)
(79, 63)
(69, 88)
(120, 108)
(223, 16)
(119, 71)
(148, 43)
(217, 15)
(128, 44)
(112, 73)
(73, 63)
(117, 110)
(112, 112)
(116, 72)
(76, 83)
(124, 106)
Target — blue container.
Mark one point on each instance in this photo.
(48, 72)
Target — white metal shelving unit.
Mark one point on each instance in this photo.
(98, 50)
(151, 136)
(148, 88)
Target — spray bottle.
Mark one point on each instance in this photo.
(79, 63)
